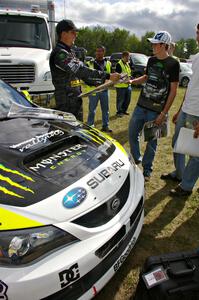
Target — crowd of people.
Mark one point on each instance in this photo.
(159, 89)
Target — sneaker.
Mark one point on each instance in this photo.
(126, 113)
(106, 129)
(179, 192)
(169, 177)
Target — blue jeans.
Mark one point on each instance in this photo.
(138, 118)
(123, 99)
(187, 173)
(93, 101)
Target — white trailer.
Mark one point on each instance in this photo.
(27, 35)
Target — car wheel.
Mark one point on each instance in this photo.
(184, 81)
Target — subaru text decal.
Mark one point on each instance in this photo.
(105, 173)
(69, 275)
(36, 140)
(74, 197)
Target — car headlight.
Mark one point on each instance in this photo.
(47, 76)
(18, 247)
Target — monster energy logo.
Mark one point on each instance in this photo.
(56, 157)
(13, 184)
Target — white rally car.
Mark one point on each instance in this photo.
(71, 203)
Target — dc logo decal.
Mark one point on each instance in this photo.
(69, 275)
(74, 197)
(3, 290)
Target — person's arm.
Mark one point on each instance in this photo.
(173, 91)
(173, 73)
(139, 80)
(196, 132)
(174, 119)
(71, 65)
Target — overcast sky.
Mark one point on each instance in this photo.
(179, 17)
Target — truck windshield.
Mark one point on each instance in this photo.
(23, 31)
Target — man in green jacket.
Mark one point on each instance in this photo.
(103, 65)
(123, 90)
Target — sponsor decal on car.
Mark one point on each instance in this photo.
(92, 135)
(69, 275)
(74, 197)
(43, 138)
(122, 258)
(105, 173)
(10, 220)
(59, 157)
(13, 184)
(3, 291)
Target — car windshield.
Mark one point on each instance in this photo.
(139, 59)
(23, 31)
(8, 95)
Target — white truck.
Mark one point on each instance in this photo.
(27, 35)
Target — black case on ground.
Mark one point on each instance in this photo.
(182, 269)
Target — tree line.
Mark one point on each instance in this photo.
(121, 39)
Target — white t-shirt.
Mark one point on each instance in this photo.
(191, 102)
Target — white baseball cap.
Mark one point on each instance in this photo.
(161, 37)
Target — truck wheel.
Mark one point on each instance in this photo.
(184, 81)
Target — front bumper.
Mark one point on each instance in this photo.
(91, 283)
(78, 272)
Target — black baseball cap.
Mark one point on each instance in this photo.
(65, 25)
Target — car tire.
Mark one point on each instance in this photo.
(184, 82)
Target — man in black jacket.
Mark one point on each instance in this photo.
(67, 70)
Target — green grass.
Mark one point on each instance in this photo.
(170, 224)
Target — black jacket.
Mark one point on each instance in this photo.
(66, 72)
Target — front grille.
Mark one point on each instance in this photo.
(102, 251)
(81, 286)
(105, 212)
(17, 73)
(136, 211)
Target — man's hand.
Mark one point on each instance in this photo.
(174, 120)
(196, 132)
(131, 81)
(115, 77)
(160, 119)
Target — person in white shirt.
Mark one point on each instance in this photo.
(187, 116)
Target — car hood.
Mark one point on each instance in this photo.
(43, 161)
